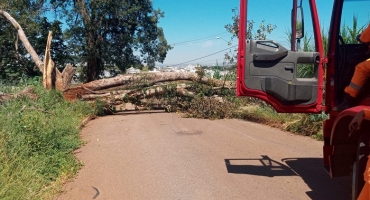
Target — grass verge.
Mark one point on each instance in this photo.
(37, 139)
(302, 124)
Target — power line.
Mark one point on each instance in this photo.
(206, 55)
(209, 61)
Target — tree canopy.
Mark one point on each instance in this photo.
(91, 34)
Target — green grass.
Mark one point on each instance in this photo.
(302, 124)
(37, 139)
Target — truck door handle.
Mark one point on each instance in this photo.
(289, 68)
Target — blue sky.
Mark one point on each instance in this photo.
(193, 26)
(187, 20)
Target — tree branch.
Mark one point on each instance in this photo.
(24, 40)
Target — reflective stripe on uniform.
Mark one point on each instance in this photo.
(354, 86)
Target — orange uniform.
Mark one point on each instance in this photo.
(365, 192)
(362, 71)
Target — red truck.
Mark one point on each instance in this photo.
(267, 70)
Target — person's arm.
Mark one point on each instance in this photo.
(359, 117)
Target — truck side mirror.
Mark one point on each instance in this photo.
(299, 23)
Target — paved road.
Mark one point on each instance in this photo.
(164, 156)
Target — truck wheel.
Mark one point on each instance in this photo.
(360, 165)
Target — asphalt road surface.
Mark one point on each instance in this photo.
(164, 156)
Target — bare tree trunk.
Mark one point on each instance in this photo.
(52, 78)
(63, 80)
(24, 39)
(141, 80)
(48, 77)
(148, 79)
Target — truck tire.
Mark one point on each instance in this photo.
(359, 165)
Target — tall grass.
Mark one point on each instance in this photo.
(37, 139)
(302, 124)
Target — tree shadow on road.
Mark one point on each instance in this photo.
(309, 169)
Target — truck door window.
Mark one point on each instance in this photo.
(273, 66)
(258, 24)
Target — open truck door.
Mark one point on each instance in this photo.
(268, 70)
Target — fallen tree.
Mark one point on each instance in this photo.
(148, 90)
(134, 88)
(134, 80)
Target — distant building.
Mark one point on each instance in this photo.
(132, 70)
(191, 68)
(168, 69)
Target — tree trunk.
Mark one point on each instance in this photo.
(140, 81)
(48, 76)
(52, 78)
(93, 61)
(63, 80)
(92, 68)
(147, 79)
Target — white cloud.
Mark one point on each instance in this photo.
(208, 43)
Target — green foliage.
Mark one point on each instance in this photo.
(200, 72)
(259, 34)
(60, 52)
(100, 108)
(307, 124)
(211, 108)
(14, 59)
(112, 32)
(349, 34)
(97, 32)
(303, 124)
(37, 139)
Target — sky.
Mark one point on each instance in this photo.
(205, 20)
(200, 20)
(196, 28)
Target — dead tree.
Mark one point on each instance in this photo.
(52, 78)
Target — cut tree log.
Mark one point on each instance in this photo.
(96, 88)
(140, 93)
(146, 79)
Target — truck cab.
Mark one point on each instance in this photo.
(303, 66)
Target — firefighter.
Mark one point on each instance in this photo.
(355, 125)
(362, 72)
